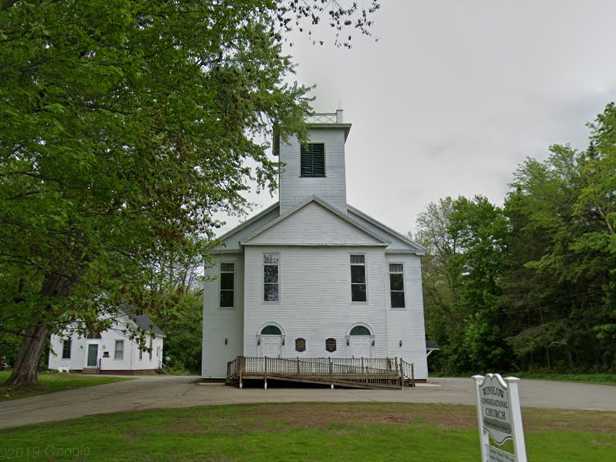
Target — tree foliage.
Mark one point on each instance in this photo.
(461, 280)
(125, 125)
(174, 301)
(530, 284)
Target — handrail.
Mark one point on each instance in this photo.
(407, 372)
(314, 366)
(366, 371)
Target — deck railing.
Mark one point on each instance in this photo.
(407, 372)
(322, 117)
(368, 371)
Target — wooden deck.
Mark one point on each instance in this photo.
(394, 373)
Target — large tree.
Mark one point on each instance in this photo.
(465, 239)
(560, 282)
(531, 285)
(125, 125)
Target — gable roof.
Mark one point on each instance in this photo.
(245, 229)
(144, 322)
(248, 222)
(415, 247)
(374, 239)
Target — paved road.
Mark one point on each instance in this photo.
(169, 392)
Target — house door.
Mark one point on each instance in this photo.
(360, 346)
(92, 355)
(271, 345)
(271, 341)
(360, 342)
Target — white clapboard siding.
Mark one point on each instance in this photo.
(315, 299)
(295, 189)
(131, 360)
(407, 324)
(220, 324)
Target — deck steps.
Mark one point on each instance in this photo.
(89, 370)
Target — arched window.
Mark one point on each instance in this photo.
(360, 330)
(330, 345)
(300, 344)
(271, 330)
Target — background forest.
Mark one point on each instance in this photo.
(532, 284)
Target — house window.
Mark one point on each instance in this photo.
(271, 330)
(300, 344)
(150, 350)
(227, 284)
(313, 160)
(330, 345)
(360, 330)
(66, 349)
(358, 278)
(396, 285)
(270, 277)
(140, 353)
(119, 350)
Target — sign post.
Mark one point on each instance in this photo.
(499, 417)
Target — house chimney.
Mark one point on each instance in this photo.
(339, 118)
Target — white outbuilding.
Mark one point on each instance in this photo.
(114, 350)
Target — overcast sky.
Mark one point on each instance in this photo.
(455, 94)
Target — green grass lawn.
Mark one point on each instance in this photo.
(599, 379)
(50, 382)
(306, 432)
(596, 378)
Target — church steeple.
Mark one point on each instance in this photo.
(316, 168)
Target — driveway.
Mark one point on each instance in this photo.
(173, 392)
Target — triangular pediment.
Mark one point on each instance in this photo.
(315, 223)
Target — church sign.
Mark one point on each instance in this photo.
(500, 419)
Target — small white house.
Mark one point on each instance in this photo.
(311, 276)
(112, 351)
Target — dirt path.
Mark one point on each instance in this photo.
(170, 392)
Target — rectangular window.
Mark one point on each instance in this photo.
(227, 284)
(270, 277)
(313, 159)
(396, 285)
(140, 353)
(150, 350)
(66, 349)
(119, 350)
(358, 278)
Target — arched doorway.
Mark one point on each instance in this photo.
(270, 339)
(360, 341)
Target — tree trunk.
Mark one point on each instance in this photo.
(26, 365)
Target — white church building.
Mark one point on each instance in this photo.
(311, 276)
